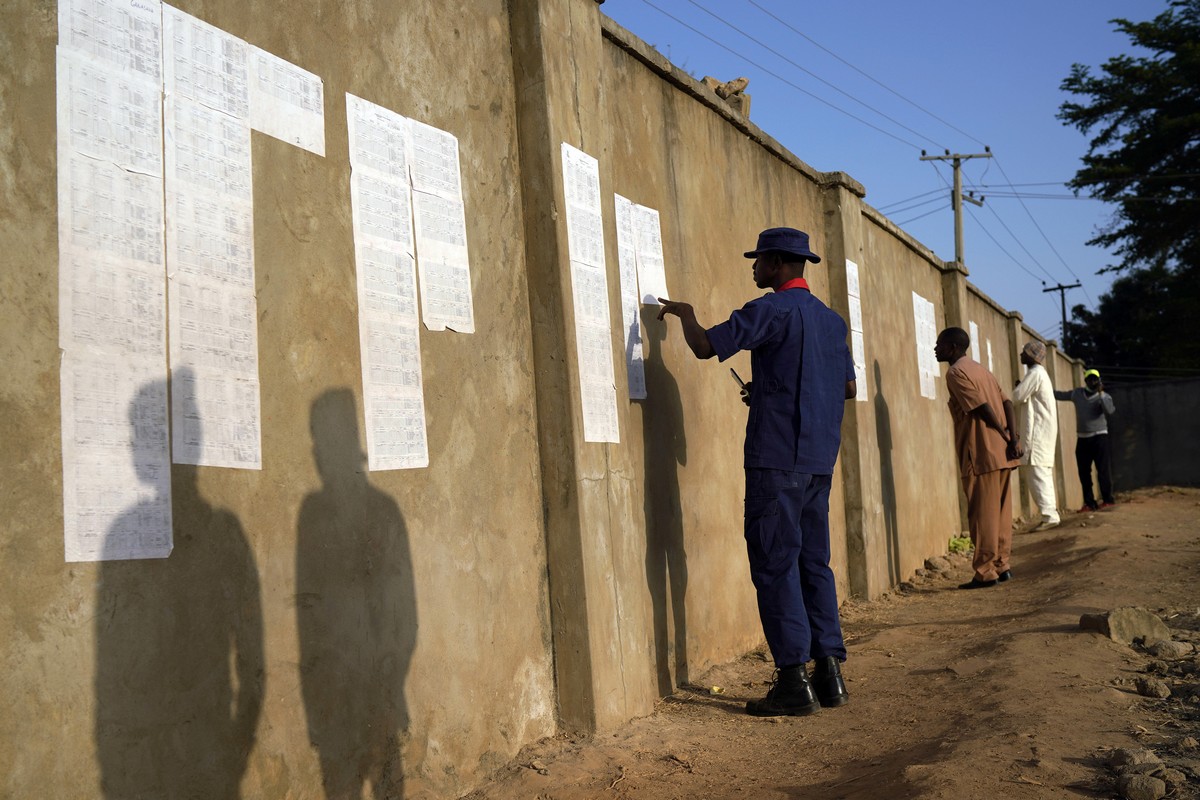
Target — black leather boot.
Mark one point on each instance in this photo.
(828, 684)
(791, 695)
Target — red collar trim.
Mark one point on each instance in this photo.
(794, 283)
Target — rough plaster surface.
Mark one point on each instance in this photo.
(316, 622)
(320, 624)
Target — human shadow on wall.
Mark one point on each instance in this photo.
(179, 642)
(356, 613)
(664, 443)
(887, 478)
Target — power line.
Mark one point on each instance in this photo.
(1042, 232)
(923, 216)
(861, 72)
(899, 207)
(1004, 250)
(811, 74)
(989, 233)
(779, 77)
(1017, 239)
(908, 199)
(914, 206)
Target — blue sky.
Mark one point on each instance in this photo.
(958, 76)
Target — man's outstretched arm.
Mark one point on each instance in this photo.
(693, 332)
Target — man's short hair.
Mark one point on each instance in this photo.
(957, 337)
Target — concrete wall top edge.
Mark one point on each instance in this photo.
(659, 64)
(975, 290)
(904, 237)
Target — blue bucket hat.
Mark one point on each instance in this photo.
(784, 240)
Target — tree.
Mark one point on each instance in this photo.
(1145, 155)
(1144, 158)
(1143, 326)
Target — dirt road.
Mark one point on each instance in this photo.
(992, 693)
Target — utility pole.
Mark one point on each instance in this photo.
(956, 195)
(1062, 296)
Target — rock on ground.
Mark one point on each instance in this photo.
(1124, 625)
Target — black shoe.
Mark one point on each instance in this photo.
(828, 684)
(791, 695)
(975, 583)
(1004, 576)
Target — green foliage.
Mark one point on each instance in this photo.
(1145, 154)
(1143, 112)
(960, 544)
(1146, 320)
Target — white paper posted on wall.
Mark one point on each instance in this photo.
(925, 325)
(210, 246)
(112, 310)
(857, 340)
(441, 230)
(146, 187)
(385, 268)
(631, 324)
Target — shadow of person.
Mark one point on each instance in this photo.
(179, 646)
(665, 446)
(887, 479)
(356, 612)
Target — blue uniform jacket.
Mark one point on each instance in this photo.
(800, 365)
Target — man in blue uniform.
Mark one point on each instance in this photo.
(802, 375)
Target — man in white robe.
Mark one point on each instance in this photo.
(1035, 393)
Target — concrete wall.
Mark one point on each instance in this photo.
(319, 623)
(1066, 373)
(1153, 434)
(368, 617)
(900, 438)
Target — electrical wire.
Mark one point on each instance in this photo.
(907, 199)
(1004, 250)
(914, 206)
(1053, 249)
(812, 74)
(898, 207)
(1017, 239)
(861, 72)
(922, 216)
(780, 77)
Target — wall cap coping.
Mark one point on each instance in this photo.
(901, 235)
(832, 180)
(657, 62)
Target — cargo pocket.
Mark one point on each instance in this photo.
(762, 528)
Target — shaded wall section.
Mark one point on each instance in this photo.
(1154, 434)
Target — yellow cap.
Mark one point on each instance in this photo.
(1095, 372)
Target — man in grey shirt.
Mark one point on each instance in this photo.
(1092, 409)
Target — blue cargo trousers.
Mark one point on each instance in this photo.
(787, 541)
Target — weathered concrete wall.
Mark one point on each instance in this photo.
(357, 622)
(993, 325)
(1067, 373)
(319, 623)
(909, 477)
(1154, 434)
(685, 438)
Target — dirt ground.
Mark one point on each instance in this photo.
(992, 693)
